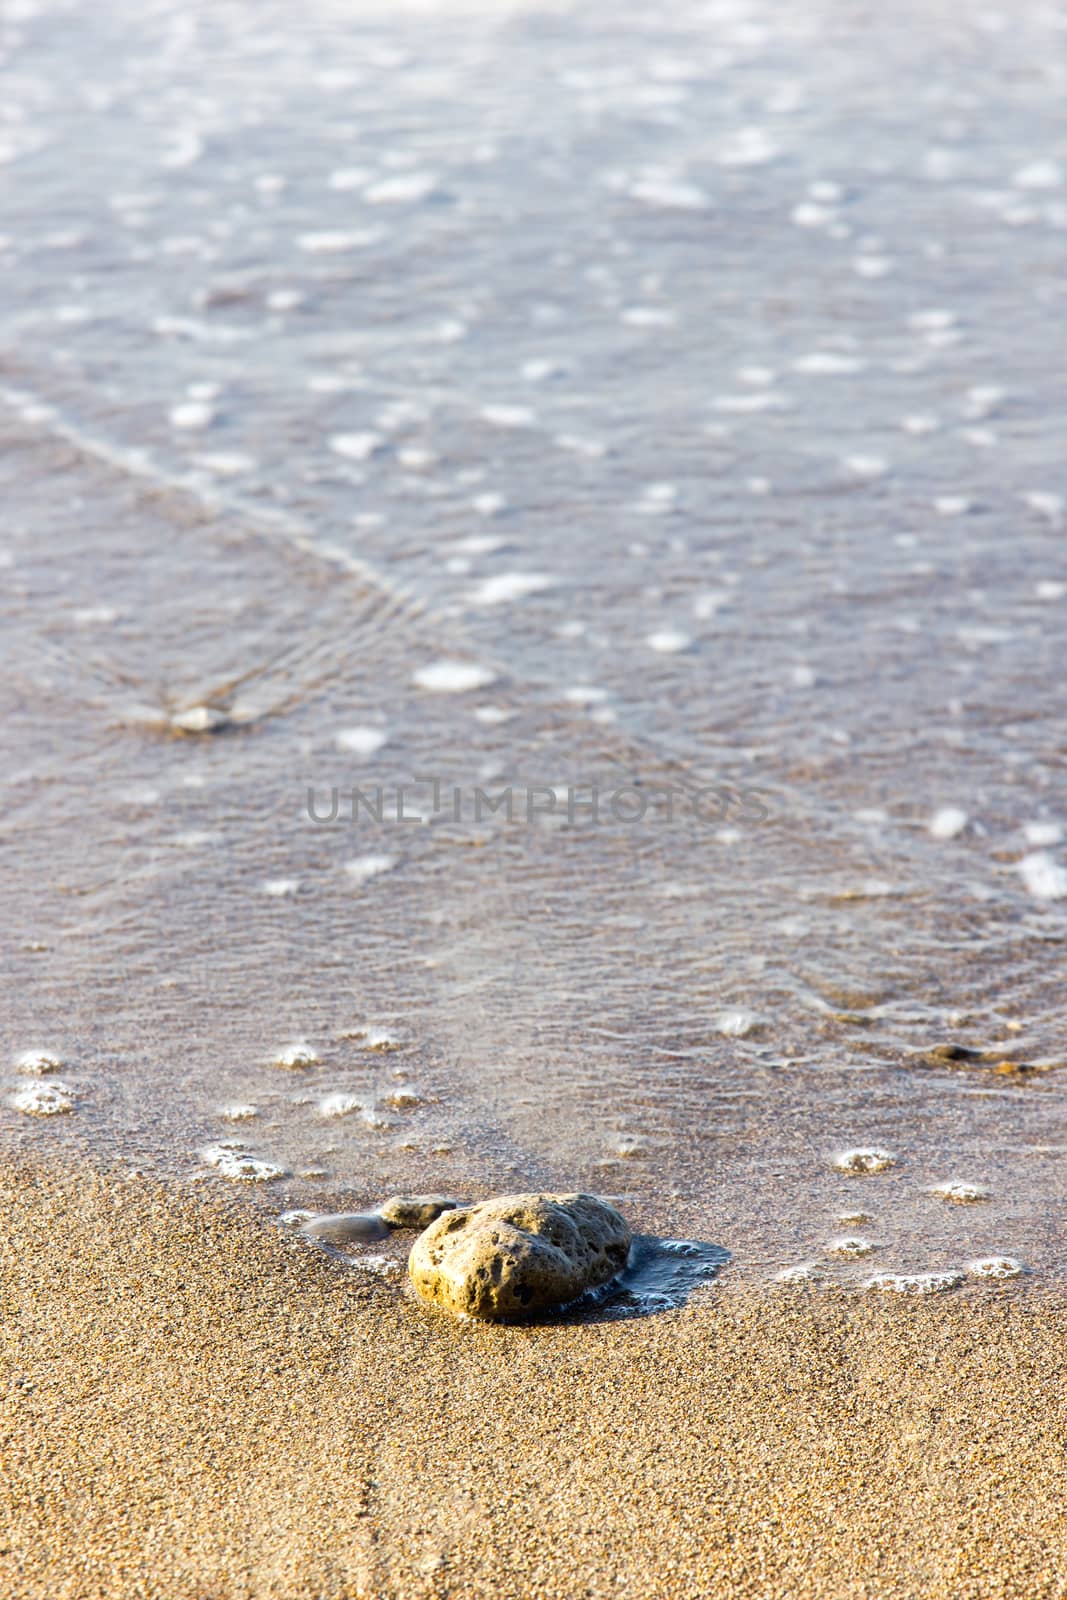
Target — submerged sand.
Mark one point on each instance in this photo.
(200, 1407)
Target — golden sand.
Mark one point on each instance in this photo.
(198, 1408)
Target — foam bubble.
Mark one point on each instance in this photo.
(226, 463)
(356, 446)
(380, 1266)
(198, 719)
(37, 1063)
(995, 1267)
(952, 505)
(405, 188)
(505, 587)
(332, 242)
(296, 1056)
(864, 1159)
(1046, 503)
(671, 193)
(363, 868)
(850, 1246)
(1040, 174)
(44, 1099)
(829, 364)
(361, 741)
(232, 1161)
(504, 416)
(238, 1112)
(948, 822)
(914, 1283)
(648, 317)
(747, 147)
(668, 641)
(453, 677)
(339, 1104)
(193, 415)
(1043, 833)
(803, 1272)
(1044, 878)
(736, 1023)
(861, 466)
(961, 1194)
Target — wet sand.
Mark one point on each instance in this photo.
(199, 1407)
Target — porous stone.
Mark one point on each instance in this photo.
(415, 1210)
(519, 1254)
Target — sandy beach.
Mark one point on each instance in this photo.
(198, 1407)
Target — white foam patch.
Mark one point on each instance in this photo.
(37, 1063)
(867, 467)
(226, 463)
(585, 694)
(803, 1272)
(339, 241)
(1046, 503)
(345, 179)
(829, 364)
(296, 1056)
(453, 677)
(669, 641)
(280, 888)
(1050, 590)
(850, 1246)
(1040, 174)
(356, 446)
(747, 147)
(935, 320)
(743, 405)
(648, 317)
(363, 868)
(735, 1024)
(361, 741)
(948, 823)
(995, 1267)
(339, 1104)
(505, 416)
(506, 587)
(952, 505)
(193, 415)
(232, 1161)
(405, 188)
(1042, 833)
(673, 194)
(915, 1283)
(239, 1111)
(1044, 878)
(863, 1160)
(960, 1193)
(44, 1099)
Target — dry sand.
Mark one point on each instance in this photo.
(198, 1408)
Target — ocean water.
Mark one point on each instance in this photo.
(416, 418)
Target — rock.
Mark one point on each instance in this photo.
(415, 1210)
(519, 1254)
(346, 1227)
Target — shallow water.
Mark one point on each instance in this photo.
(545, 399)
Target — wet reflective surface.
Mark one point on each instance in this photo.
(542, 401)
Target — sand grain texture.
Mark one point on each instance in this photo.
(199, 1408)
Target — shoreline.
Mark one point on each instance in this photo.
(200, 1406)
